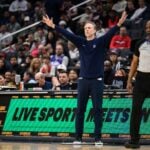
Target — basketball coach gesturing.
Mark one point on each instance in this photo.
(92, 54)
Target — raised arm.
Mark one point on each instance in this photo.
(107, 37)
(70, 36)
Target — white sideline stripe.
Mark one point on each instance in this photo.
(77, 17)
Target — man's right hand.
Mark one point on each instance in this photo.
(48, 21)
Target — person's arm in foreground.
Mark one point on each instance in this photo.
(113, 30)
(70, 36)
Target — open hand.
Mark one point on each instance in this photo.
(48, 21)
(122, 19)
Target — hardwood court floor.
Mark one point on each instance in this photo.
(54, 146)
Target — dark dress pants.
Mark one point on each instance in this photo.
(86, 87)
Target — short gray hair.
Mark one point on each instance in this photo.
(90, 22)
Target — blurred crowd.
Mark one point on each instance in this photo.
(47, 59)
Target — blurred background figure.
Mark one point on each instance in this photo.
(42, 83)
(4, 32)
(64, 81)
(119, 79)
(122, 41)
(108, 73)
(2, 80)
(53, 9)
(73, 53)
(18, 6)
(28, 78)
(73, 76)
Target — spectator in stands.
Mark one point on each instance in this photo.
(59, 57)
(3, 66)
(28, 78)
(60, 68)
(13, 77)
(30, 39)
(130, 8)
(73, 79)
(64, 81)
(141, 67)
(141, 12)
(87, 15)
(119, 80)
(119, 6)
(62, 41)
(18, 6)
(5, 18)
(35, 48)
(41, 35)
(121, 41)
(13, 24)
(112, 19)
(26, 48)
(38, 12)
(2, 80)
(109, 5)
(62, 23)
(55, 75)
(51, 39)
(40, 78)
(14, 64)
(73, 53)
(35, 66)
(108, 73)
(92, 52)
(25, 64)
(26, 21)
(8, 79)
(42, 51)
(48, 50)
(113, 57)
(46, 67)
(4, 32)
(73, 76)
(100, 30)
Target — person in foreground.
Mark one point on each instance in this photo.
(92, 54)
(140, 65)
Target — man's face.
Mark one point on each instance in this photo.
(130, 5)
(113, 57)
(63, 78)
(123, 31)
(73, 75)
(107, 65)
(1, 63)
(59, 50)
(40, 80)
(13, 61)
(3, 28)
(89, 30)
(2, 80)
(8, 76)
(148, 28)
